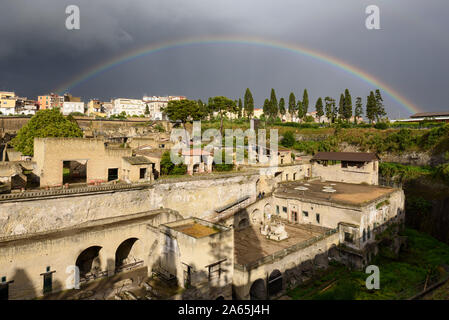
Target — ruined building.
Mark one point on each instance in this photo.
(249, 234)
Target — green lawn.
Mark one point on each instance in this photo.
(400, 278)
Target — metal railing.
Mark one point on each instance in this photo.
(94, 276)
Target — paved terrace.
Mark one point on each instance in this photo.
(345, 193)
(251, 248)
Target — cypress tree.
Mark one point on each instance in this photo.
(292, 104)
(300, 110)
(248, 103)
(329, 108)
(274, 108)
(305, 102)
(358, 111)
(380, 109)
(266, 108)
(282, 107)
(348, 105)
(371, 107)
(319, 108)
(341, 107)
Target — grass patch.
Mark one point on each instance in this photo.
(400, 278)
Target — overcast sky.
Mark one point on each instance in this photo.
(410, 53)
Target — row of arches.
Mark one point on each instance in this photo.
(127, 253)
(261, 289)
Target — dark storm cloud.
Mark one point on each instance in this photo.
(410, 53)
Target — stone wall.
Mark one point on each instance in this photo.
(366, 174)
(25, 259)
(291, 266)
(189, 197)
(129, 128)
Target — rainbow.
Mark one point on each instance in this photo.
(153, 48)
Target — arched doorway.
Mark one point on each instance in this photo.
(127, 255)
(88, 262)
(258, 291)
(196, 168)
(256, 216)
(267, 211)
(274, 282)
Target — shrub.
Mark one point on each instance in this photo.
(179, 169)
(381, 125)
(288, 140)
(166, 164)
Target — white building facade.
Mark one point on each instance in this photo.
(132, 107)
(156, 104)
(69, 107)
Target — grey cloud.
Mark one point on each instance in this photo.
(409, 53)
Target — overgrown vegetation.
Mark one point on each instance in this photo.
(400, 277)
(404, 173)
(46, 123)
(169, 168)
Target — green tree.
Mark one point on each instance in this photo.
(147, 109)
(183, 111)
(240, 109)
(371, 107)
(348, 105)
(380, 109)
(300, 110)
(45, 123)
(166, 164)
(274, 107)
(305, 102)
(248, 103)
(282, 110)
(330, 109)
(266, 108)
(358, 111)
(319, 108)
(222, 105)
(341, 107)
(292, 104)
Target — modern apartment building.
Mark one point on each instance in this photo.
(132, 107)
(50, 101)
(7, 102)
(69, 107)
(156, 104)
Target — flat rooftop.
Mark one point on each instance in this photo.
(250, 245)
(196, 230)
(334, 192)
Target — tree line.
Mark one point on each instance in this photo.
(185, 110)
